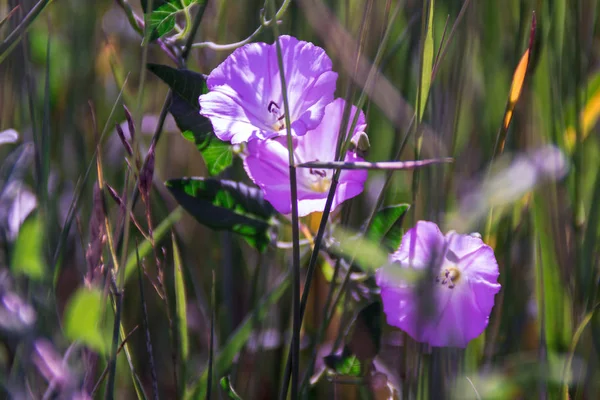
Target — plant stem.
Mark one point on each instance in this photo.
(297, 315)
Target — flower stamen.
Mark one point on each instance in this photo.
(273, 108)
(450, 277)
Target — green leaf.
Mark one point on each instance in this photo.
(217, 155)
(228, 388)
(226, 205)
(386, 227)
(181, 312)
(346, 364)
(83, 317)
(162, 18)
(427, 64)
(28, 256)
(187, 87)
(155, 4)
(238, 339)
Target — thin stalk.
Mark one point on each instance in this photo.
(15, 36)
(162, 117)
(110, 385)
(146, 327)
(297, 317)
(332, 190)
(211, 345)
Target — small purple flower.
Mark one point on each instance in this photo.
(245, 100)
(462, 292)
(267, 164)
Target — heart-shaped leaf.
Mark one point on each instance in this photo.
(187, 87)
(226, 205)
(162, 17)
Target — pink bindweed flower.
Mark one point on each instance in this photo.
(267, 164)
(245, 100)
(460, 295)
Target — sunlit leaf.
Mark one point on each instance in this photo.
(83, 318)
(226, 205)
(218, 155)
(28, 258)
(238, 339)
(386, 227)
(346, 364)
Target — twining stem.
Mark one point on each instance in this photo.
(264, 24)
(297, 316)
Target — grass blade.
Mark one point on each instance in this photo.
(238, 339)
(181, 323)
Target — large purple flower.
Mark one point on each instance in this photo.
(267, 164)
(462, 292)
(245, 100)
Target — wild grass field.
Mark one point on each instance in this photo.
(433, 234)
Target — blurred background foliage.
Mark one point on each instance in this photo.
(64, 83)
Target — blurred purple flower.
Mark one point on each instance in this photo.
(465, 282)
(245, 100)
(267, 165)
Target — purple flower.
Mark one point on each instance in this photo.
(245, 100)
(461, 292)
(267, 164)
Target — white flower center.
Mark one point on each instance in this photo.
(278, 116)
(319, 181)
(449, 276)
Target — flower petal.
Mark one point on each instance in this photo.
(460, 318)
(244, 86)
(462, 245)
(267, 165)
(310, 81)
(420, 245)
(462, 306)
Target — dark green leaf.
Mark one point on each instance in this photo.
(187, 87)
(238, 339)
(386, 227)
(195, 127)
(226, 205)
(365, 341)
(228, 388)
(186, 84)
